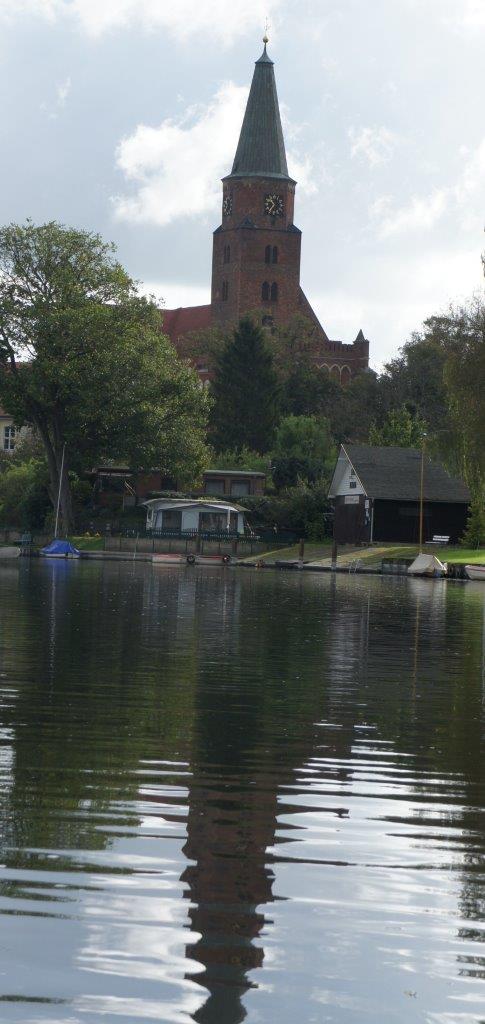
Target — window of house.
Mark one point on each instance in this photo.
(240, 487)
(225, 291)
(274, 292)
(212, 522)
(214, 486)
(9, 439)
(274, 254)
(353, 483)
(172, 519)
(267, 254)
(265, 292)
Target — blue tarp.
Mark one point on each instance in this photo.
(60, 548)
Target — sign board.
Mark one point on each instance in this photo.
(351, 499)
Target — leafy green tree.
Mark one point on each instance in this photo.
(85, 363)
(303, 450)
(356, 407)
(474, 535)
(242, 458)
(464, 374)
(245, 392)
(400, 428)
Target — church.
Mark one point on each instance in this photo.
(257, 247)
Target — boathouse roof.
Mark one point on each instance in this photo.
(393, 474)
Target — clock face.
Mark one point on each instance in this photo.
(227, 206)
(273, 205)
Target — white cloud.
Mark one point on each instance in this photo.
(468, 15)
(376, 145)
(177, 167)
(63, 90)
(463, 201)
(181, 18)
(419, 213)
(172, 294)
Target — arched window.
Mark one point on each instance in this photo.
(267, 254)
(225, 291)
(345, 376)
(265, 292)
(274, 254)
(227, 254)
(335, 372)
(274, 292)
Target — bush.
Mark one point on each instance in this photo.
(304, 509)
(24, 499)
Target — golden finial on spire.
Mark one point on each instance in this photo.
(266, 29)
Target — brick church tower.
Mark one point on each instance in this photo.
(256, 248)
(256, 255)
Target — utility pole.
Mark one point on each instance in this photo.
(421, 495)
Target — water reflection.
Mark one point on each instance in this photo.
(228, 795)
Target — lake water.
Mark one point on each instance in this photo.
(232, 795)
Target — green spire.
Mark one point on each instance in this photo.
(261, 147)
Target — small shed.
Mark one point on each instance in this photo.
(189, 515)
(376, 495)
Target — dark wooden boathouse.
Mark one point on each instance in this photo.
(376, 496)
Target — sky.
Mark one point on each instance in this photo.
(121, 117)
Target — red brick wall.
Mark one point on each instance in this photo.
(247, 270)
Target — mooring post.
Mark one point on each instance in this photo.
(334, 555)
(301, 553)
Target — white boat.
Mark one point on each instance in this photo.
(427, 565)
(475, 572)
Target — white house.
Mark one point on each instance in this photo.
(190, 514)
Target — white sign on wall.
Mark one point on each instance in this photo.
(351, 499)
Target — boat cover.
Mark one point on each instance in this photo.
(60, 548)
(427, 565)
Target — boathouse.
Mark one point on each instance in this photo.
(193, 516)
(376, 496)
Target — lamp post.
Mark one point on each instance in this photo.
(421, 494)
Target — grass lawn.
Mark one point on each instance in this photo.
(445, 554)
(314, 550)
(88, 543)
(317, 550)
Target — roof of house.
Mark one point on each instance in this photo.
(233, 472)
(261, 147)
(177, 322)
(180, 503)
(394, 474)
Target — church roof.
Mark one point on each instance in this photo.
(261, 147)
(177, 322)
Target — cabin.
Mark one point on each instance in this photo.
(194, 516)
(233, 482)
(376, 496)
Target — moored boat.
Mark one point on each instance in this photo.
(475, 572)
(60, 549)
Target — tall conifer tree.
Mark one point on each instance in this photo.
(245, 392)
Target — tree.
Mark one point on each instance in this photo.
(303, 450)
(85, 363)
(245, 392)
(464, 374)
(400, 428)
(474, 535)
